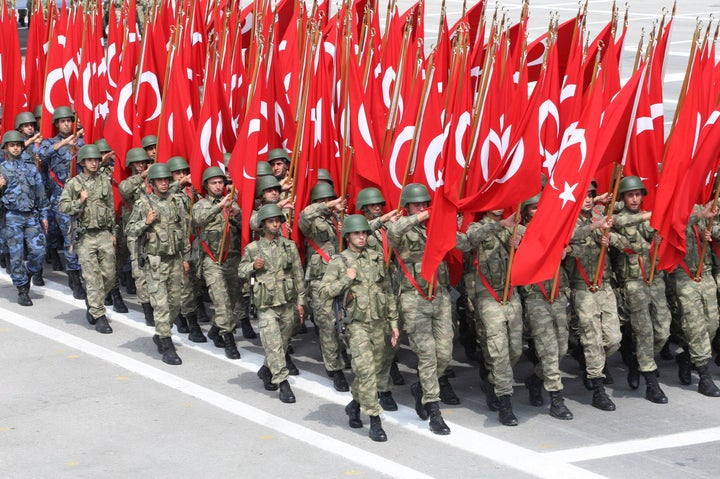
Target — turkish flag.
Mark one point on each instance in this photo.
(12, 88)
(35, 57)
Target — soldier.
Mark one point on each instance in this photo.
(186, 321)
(216, 218)
(359, 279)
(426, 314)
(279, 161)
(274, 261)
(595, 306)
(545, 316)
(25, 214)
(370, 202)
(267, 191)
(132, 189)
(498, 322)
(57, 154)
(697, 301)
(161, 220)
(88, 198)
(149, 144)
(646, 302)
(319, 223)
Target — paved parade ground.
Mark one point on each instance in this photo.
(77, 404)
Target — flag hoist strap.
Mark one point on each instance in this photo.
(641, 263)
(56, 179)
(318, 250)
(684, 265)
(585, 277)
(385, 245)
(487, 284)
(209, 252)
(410, 277)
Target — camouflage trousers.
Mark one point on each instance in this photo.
(191, 291)
(276, 327)
(63, 222)
(650, 319)
(138, 274)
(367, 343)
(97, 258)
(384, 383)
(24, 229)
(598, 327)
(330, 344)
(698, 307)
(164, 282)
(224, 288)
(547, 324)
(428, 325)
(501, 330)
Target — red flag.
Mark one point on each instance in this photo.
(12, 87)
(35, 57)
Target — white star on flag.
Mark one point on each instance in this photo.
(567, 194)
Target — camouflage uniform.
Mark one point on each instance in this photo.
(646, 303)
(25, 204)
(277, 291)
(318, 224)
(371, 312)
(191, 286)
(132, 189)
(427, 321)
(500, 324)
(167, 247)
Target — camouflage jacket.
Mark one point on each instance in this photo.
(317, 222)
(208, 220)
(633, 261)
(580, 264)
(490, 241)
(95, 213)
(24, 191)
(167, 235)
(694, 240)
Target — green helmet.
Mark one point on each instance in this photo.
(88, 151)
(263, 169)
(269, 211)
(630, 183)
(324, 175)
(12, 136)
(212, 172)
(103, 145)
(280, 153)
(177, 163)
(593, 187)
(37, 112)
(63, 112)
(369, 196)
(24, 117)
(530, 201)
(354, 224)
(148, 141)
(321, 191)
(134, 155)
(414, 193)
(159, 170)
(265, 183)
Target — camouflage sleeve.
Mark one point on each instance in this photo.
(204, 213)
(309, 215)
(397, 230)
(580, 232)
(43, 204)
(70, 203)
(128, 187)
(335, 281)
(46, 151)
(136, 224)
(245, 268)
(626, 219)
(254, 223)
(619, 241)
(478, 232)
(298, 276)
(375, 224)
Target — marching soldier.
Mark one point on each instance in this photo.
(359, 279)
(426, 314)
(216, 218)
(159, 222)
(149, 144)
(88, 198)
(274, 261)
(279, 161)
(25, 214)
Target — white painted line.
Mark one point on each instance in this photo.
(669, 441)
(233, 406)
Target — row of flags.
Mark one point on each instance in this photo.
(478, 118)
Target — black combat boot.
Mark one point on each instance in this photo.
(231, 351)
(181, 324)
(346, 359)
(76, 285)
(195, 332)
(600, 398)
(286, 394)
(266, 376)
(633, 375)
(167, 349)
(417, 392)
(684, 368)
(437, 423)
(102, 326)
(395, 375)
(247, 330)
(608, 379)
(214, 336)
(149, 314)
(353, 411)
(387, 402)
(54, 258)
(505, 414)
(37, 278)
(376, 433)
(665, 352)
(653, 393)
(202, 315)
(23, 296)
(707, 386)
(290, 365)
(7, 263)
(490, 398)
(558, 409)
(3, 260)
(130, 286)
(339, 382)
(534, 385)
(108, 300)
(447, 394)
(118, 303)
